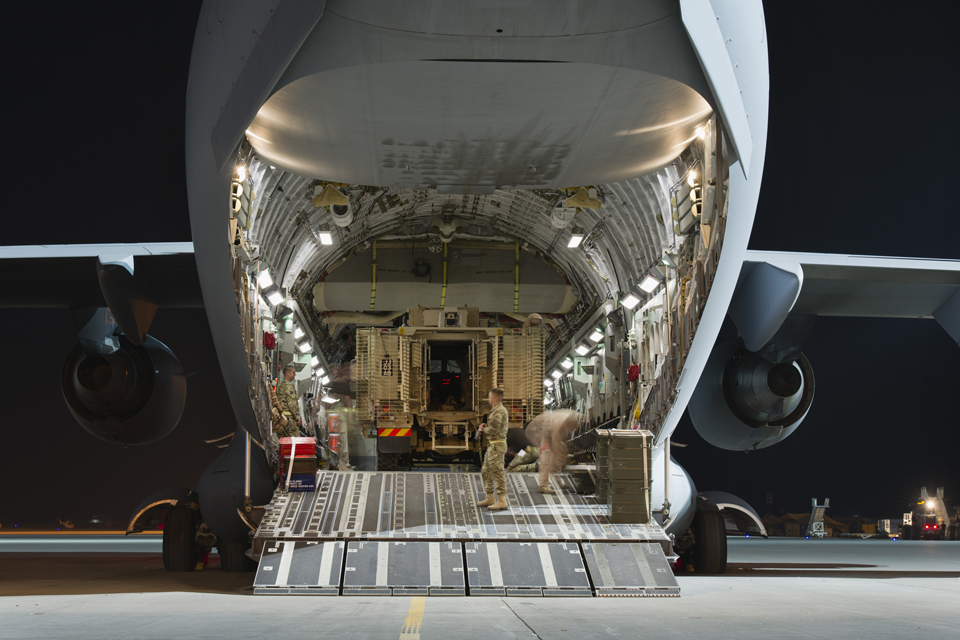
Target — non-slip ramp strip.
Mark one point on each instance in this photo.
(526, 569)
(300, 567)
(403, 568)
(629, 569)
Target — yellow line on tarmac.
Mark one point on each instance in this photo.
(411, 626)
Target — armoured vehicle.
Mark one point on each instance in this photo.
(422, 388)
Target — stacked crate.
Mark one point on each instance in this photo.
(629, 472)
(298, 457)
(602, 460)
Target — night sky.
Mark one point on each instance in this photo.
(860, 159)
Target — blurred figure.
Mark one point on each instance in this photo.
(550, 429)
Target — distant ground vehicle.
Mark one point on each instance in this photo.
(929, 519)
(422, 388)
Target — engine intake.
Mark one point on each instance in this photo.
(135, 395)
(745, 401)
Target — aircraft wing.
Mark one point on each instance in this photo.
(774, 284)
(53, 276)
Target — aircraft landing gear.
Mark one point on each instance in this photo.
(233, 557)
(707, 552)
(180, 552)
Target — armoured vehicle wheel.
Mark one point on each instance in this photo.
(233, 557)
(710, 549)
(179, 539)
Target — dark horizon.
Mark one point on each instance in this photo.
(862, 107)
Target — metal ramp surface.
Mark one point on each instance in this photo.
(394, 533)
(630, 569)
(398, 568)
(526, 569)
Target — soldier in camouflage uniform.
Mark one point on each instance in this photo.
(527, 457)
(287, 397)
(493, 472)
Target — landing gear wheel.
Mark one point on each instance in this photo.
(710, 549)
(233, 557)
(180, 539)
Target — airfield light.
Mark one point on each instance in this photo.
(326, 237)
(241, 172)
(556, 374)
(649, 283)
(265, 280)
(274, 297)
(583, 349)
(328, 399)
(325, 380)
(630, 301)
(298, 332)
(547, 382)
(692, 178)
(567, 364)
(596, 336)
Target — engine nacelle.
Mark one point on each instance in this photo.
(135, 395)
(746, 401)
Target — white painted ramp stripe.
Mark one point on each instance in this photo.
(286, 560)
(383, 560)
(326, 564)
(435, 578)
(493, 559)
(549, 576)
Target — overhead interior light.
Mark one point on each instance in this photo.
(265, 281)
(576, 237)
(583, 349)
(321, 371)
(567, 364)
(328, 399)
(547, 382)
(692, 178)
(701, 133)
(298, 332)
(325, 380)
(314, 362)
(649, 283)
(596, 336)
(304, 346)
(326, 237)
(241, 172)
(556, 374)
(274, 297)
(630, 301)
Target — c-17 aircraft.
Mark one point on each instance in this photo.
(597, 164)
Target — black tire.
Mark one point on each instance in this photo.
(388, 461)
(233, 557)
(710, 549)
(180, 551)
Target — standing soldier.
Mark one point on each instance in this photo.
(287, 397)
(492, 471)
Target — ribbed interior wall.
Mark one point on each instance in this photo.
(624, 237)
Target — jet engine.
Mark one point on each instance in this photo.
(750, 400)
(134, 395)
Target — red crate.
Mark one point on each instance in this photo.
(305, 446)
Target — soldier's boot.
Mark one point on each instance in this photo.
(545, 488)
(486, 502)
(500, 504)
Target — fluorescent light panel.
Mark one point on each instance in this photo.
(575, 240)
(630, 301)
(649, 283)
(596, 336)
(265, 280)
(326, 237)
(567, 364)
(274, 297)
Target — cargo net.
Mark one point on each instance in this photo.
(519, 373)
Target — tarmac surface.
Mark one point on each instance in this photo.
(112, 587)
